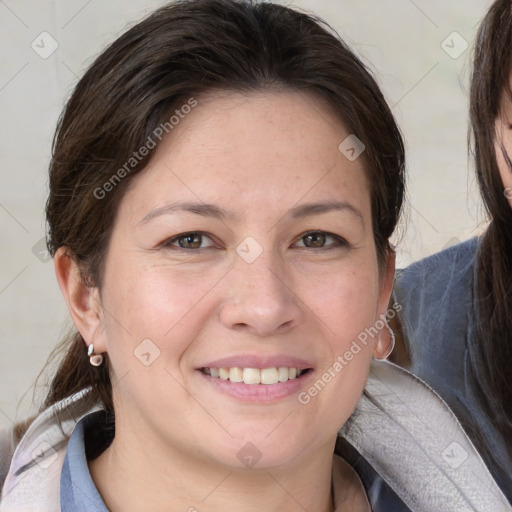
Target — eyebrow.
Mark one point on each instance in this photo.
(202, 209)
(216, 212)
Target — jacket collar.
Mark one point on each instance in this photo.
(33, 480)
(409, 435)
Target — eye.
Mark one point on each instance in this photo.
(317, 239)
(192, 240)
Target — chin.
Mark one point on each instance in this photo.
(261, 452)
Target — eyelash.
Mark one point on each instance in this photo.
(339, 241)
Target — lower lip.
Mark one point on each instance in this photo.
(263, 393)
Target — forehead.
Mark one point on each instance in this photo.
(253, 149)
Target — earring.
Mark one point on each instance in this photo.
(391, 344)
(94, 359)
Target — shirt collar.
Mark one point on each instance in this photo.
(77, 490)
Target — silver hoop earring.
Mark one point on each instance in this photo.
(94, 359)
(391, 345)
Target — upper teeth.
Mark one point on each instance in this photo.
(255, 375)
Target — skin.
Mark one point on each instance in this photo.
(503, 127)
(177, 437)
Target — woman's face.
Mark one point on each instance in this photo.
(503, 130)
(247, 245)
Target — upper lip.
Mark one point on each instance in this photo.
(258, 361)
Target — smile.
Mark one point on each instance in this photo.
(267, 376)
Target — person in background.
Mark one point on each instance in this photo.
(456, 318)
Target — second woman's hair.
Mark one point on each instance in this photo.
(491, 354)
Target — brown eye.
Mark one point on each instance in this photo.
(314, 239)
(318, 239)
(192, 241)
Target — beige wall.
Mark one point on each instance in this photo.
(401, 40)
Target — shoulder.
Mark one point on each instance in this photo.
(7, 447)
(436, 299)
(35, 463)
(404, 433)
(435, 269)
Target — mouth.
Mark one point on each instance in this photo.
(252, 376)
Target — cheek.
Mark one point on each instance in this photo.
(500, 159)
(161, 305)
(346, 306)
(346, 302)
(504, 136)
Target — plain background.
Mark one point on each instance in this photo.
(417, 50)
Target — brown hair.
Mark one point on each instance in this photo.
(491, 355)
(179, 52)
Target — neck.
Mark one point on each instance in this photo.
(138, 472)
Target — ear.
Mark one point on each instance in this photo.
(387, 279)
(83, 301)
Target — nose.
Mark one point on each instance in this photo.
(260, 298)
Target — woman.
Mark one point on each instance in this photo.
(457, 305)
(224, 182)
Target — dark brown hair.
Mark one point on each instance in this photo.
(491, 354)
(182, 51)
